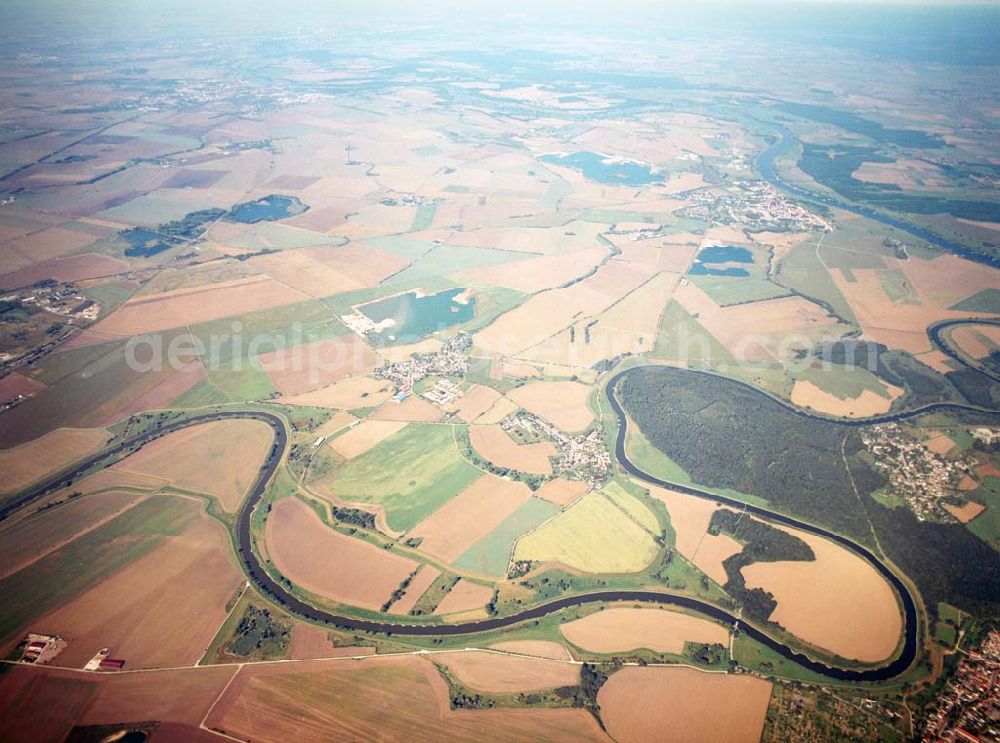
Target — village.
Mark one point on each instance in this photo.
(924, 479)
(968, 708)
(451, 360)
(584, 457)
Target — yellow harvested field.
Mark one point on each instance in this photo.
(161, 610)
(364, 436)
(550, 312)
(465, 596)
(324, 271)
(537, 274)
(690, 517)
(758, 331)
(562, 492)
(515, 370)
(337, 422)
(506, 674)
(476, 401)
(469, 516)
(938, 284)
(399, 354)
(630, 326)
(683, 705)
(619, 629)
(838, 602)
(592, 536)
(534, 648)
(907, 173)
(493, 443)
(220, 458)
(46, 455)
(564, 404)
(329, 563)
(805, 394)
(500, 410)
(413, 409)
(377, 698)
(180, 307)
(966, 512)
(311, 366)
(347, 394)
(978, 341)
(420, 583)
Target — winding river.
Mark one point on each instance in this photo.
(266, 584)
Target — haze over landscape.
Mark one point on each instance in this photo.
(499, 371)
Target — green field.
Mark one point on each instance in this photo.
(986, 525)
(702, 350)
(412, 473)
(60, 576)
(490, 554)
(593, 535)
(988, 300)
(843, 381)
(802, 270)
(447, 259)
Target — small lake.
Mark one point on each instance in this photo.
(724, 254)
(267, 209)
(715, 254)
(417, 316)
(607, 170)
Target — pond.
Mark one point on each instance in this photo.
(605, 169)
(406, 318)
(267, 209)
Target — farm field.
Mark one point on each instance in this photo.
(50, 453)
(328, 563)
(349, 393)
(562, 492)
(220, 458)
(62, 575)
(465, 597)
(805, 394)
(363, 436)
(30, 539)
(682, 704)
(594, 536)
(491, 554)
(180, 307)
(620, 629)
(45, 703)
(304, 368)
(391, 697)
(563, 404)
(534, 648)
(411, 474)
(162, 610)
(420, 583)
(836, 602)
(493, 443)
(476, 401)
(469, 516)
(496, 672)
(690, 517)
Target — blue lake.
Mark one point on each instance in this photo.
(268, 209)
(594, 167)
(416, 317)
(724, 254)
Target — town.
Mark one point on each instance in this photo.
(757, 206)
(924, 479)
